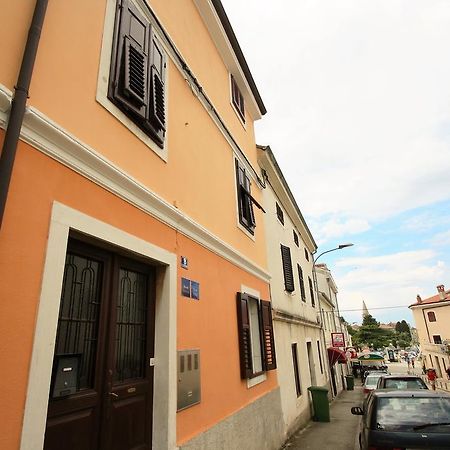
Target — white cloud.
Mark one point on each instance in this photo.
(358, 99)
(336, 227)
(441, 239)
(388, 280)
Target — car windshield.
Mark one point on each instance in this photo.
(400, 413)
(372, 380)
(404, 383)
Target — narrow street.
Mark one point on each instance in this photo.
(341, 433)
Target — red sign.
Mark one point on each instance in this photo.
(337, 340)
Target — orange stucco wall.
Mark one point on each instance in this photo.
(200, 169)
(208, 324)
(198, 178)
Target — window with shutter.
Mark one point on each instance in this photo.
(245, 199)
(311, 292)
(280, 213)
(256, 339)
(306, 255)
(237, 98)
(301, 282)
(295, 238)
(137, 75)
(287, 268)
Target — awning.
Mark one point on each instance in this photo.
(370, 357)
(336, 355)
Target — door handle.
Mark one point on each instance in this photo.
(113, 394)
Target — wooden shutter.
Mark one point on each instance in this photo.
(302, 283)
(157, 111)
(245, 200)
(267, 334)
(287, 268)
(245, 347)
(130, 60)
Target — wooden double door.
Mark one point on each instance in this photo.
(101, 395)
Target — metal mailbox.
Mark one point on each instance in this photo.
(188, 371)
(65, 375)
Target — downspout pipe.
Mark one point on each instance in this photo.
(18, 103)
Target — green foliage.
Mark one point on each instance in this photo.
(403, 327)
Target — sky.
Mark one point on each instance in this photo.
(358, 101)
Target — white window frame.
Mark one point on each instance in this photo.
(103, 78)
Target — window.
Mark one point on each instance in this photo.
(280, 213)
(237, 99)
(245, 199)
(437, 339)
(311, 292)
(302, 284)
(431, 316)
(320, 356)
(287, 268)
(137, 76)
(256, 341)
(298, 386)
(306, 255)
(295, 238)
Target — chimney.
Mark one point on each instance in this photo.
(441, 291)
(419, 298)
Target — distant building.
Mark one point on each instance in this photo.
(331, 324)
(432, 319)
(365, 312)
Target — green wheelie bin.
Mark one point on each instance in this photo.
(350, 381)
(320, 403)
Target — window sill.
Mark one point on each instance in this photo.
(256, 380)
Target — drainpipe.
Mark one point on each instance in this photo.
(19, 103)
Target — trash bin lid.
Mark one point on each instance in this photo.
(317, 388)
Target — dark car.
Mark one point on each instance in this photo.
(410, 419)
(401, 382)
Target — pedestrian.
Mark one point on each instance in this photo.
(448, 372)
(431, 375)
(424, 369)
(412, 362)
(409, 362)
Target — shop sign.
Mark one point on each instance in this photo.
(337, 340)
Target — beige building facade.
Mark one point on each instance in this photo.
(432, 320)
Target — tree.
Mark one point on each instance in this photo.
(371, 334)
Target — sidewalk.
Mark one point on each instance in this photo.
(339, 434)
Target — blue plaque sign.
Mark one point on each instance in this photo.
(185, 287)
(195, 290)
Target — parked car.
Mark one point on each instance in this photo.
(374, 371)
(371, 381)
(401, 382)
(404, 419)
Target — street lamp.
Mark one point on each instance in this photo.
(339, 247)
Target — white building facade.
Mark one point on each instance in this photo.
(301, 355)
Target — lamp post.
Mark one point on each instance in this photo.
(339, 247)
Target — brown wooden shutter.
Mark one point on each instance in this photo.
(245, 347)
(131, 60)
(301, 282)
(287, 268)
(157, 111)
(267, 333)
